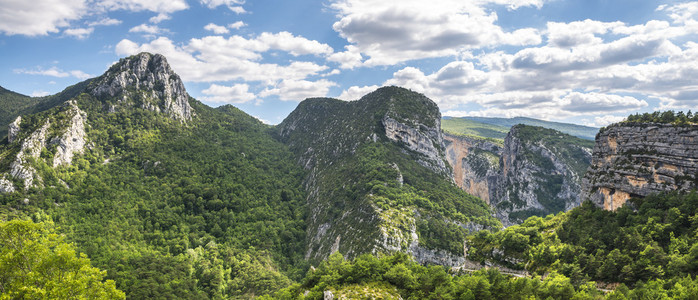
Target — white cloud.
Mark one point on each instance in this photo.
(104, 22)
(158, 6)
(356, 92)
(39, 94)
(605, 120)
(295, 45)
(79, 33)
(217, 29)
(349, 59)
(54, 72)
(237, 93)
(681, 13)
(146, 29)
(389, 32)
(237, 25)
(215, 59)
(39, 17)
(297, 90)
(80, 74)
(159, 18)
(233, 5)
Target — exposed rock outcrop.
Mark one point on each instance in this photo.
(536, 171)
(146, 81)
(326, 134)
(419, 138)
(637, 159)
(31, 149)
(13, 129)
(475, 164)
(73, 140)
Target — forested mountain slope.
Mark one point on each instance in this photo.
(378, 179)
(172, 198)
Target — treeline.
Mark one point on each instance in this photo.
(667, 117)
(650, 240)
(398, 277)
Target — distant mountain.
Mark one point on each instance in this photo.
(468, 126)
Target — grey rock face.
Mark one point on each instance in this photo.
(31, 149)
(421, 139)
(518, 179)
(5, 185)
(474, 168)
(13, 129)
(73, 140)
(637, 159)
(145, 80)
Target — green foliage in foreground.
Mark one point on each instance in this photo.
(36, 263)
(397, 275)
(657, 241)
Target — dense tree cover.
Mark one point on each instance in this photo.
(210, 209)
(652, 239)
(36, 263)
(669, 116)
(394, 276)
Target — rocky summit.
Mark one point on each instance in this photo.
(144, 80)
(371, 163)
(636, 159)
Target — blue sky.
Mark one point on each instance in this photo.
(589, 62)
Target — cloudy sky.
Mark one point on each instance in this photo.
(582, 61)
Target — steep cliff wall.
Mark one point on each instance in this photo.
(378, 180)
(637, 159)
(536, 171)
(475, 164)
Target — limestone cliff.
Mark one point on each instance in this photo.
(637, 159)
(535, 171)
(62, 139)
(372, 164)
(475, 163)
(146, 81)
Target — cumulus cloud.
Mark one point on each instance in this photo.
(54, 72)
(605, 120)
(237, 93)
(393, 32)
(104, 22)
(234, 5)
(79, 33)
(158, 6)
(219, 59)
(159, 18)
(217, 29)
(356, 92)
(39, 17)
(237, 25)
(295, 45)
(39, 94)
(297, 90)
(146, 29)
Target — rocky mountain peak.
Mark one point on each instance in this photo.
(144, 80)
